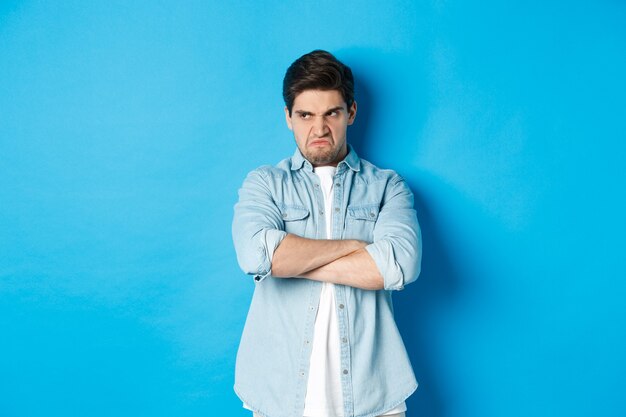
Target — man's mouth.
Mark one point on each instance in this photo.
(319, 142)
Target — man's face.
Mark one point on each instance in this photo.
(319, 121)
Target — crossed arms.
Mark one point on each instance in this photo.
(264, 248)
(338, 261)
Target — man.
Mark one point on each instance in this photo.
(327, 237)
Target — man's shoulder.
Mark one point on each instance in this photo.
(281, 169)
(371, 173)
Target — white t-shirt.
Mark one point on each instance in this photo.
(324, 397)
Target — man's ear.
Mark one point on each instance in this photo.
(288, 118)
(352, 113)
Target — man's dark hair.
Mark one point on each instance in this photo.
(317, 70)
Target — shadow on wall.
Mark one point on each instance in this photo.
(415, 307)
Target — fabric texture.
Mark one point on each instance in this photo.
(369, 204)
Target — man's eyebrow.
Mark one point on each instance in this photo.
(332, 109)
(336, 108)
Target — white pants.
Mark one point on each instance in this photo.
(390, 415)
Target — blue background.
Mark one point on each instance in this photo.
(126, 129)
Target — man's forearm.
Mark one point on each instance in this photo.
(296, 255)
(356, 270)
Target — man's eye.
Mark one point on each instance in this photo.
(305, 116)
(333, 113)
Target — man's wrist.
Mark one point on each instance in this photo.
(357, 244)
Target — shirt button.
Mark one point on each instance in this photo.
(372, 215)
(317, 186)
(336, 209)
(341, 306)
(337, 185)
(284, 215)
(344, 340)
(345, 372)
(301, 373)
(322, 212)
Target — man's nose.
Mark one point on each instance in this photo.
(319, 126)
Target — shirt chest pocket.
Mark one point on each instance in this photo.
(295, 219)
(361, 221)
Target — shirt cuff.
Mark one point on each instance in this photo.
(273, 237)
(384, 258)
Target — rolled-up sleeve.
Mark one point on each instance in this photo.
(397, 246)
(258, 227)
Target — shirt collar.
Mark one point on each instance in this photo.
(352, 160)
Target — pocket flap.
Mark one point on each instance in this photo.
(290, 213)
(364, 212)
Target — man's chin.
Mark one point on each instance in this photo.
(317, 159)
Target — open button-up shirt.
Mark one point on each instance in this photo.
(370, 204)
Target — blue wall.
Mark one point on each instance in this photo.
(126, 129)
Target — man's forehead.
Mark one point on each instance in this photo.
(319, 100)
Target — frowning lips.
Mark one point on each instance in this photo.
(319, 142)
